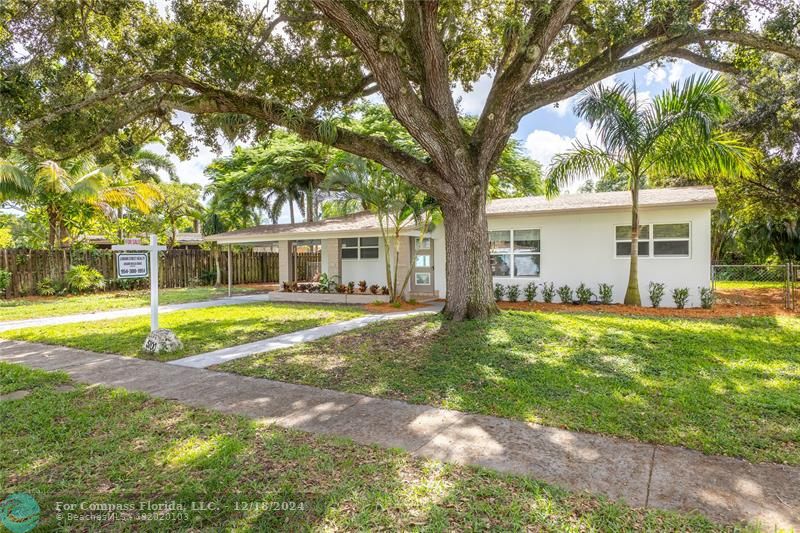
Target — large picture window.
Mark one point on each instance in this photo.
(360, 248)
(655, 240)
(515, 253)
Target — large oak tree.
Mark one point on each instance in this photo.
(75, 72)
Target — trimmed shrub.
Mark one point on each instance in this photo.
(83, 278)
(565, 294)
(606, 293)
(548, 292)
(499, 291)
(530, 291)
(513, 293)
(680, 297)
(584, 294)
(656, 293)
(707, 297)
(5, 279)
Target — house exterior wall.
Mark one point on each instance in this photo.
(580, 247)
(373, 271)
(285, 261)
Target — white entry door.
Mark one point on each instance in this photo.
(422, 275)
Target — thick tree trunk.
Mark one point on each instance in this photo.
(469, 277)
(632, 296)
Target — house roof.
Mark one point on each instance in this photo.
(675, 196)
(366, 224)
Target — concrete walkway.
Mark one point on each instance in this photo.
(205, 360)
(643, 475)
(125, 313)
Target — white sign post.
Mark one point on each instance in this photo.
(134, 265)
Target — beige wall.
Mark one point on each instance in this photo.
(331, 262)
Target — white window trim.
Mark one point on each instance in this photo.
(430, 279)
(512, 253)
(652, 240)
(359, 247)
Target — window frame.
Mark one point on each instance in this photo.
(652, 240)
(359, 247)
(512, 253)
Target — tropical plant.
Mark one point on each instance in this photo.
(565, 294)
(47, 287)
(656, 291)
(707, 297)
(83, 278)
(178, 208)
(5, 280)
(548, 292)
(530, 291)
(605, 293)
(512, 293)
(677, 133)
(584, 294)
(680, 296)
(499, 292)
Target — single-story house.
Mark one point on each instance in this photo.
(572, 239)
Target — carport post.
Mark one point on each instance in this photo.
(230, 272)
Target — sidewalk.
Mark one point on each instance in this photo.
(205, 360)
(124, 313)
(643, 475)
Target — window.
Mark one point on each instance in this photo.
(624, 241)
(655, 240)
(360, 248)
(515, 253)
(671, 240)
(422, 278)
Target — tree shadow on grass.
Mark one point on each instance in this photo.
(112, 447)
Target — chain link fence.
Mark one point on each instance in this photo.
(756, 285)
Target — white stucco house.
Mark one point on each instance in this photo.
(572, 239)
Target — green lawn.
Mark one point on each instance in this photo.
(727, 387)
(200, 330)
(38, 307)
(101, 446)
(739, 285)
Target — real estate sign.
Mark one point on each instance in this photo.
(132, 265)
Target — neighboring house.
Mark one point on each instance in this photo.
(182, 240)
(571, 239)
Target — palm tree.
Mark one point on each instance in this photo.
(675, 134)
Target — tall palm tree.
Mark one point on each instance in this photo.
(675, 134)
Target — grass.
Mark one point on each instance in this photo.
(100, 446)
(728, 386)
(746, 285)
(38, 307)
(200, 330)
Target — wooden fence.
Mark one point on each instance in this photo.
(177, 268)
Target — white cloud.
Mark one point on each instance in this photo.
(472, 102)
(655, 75)
(542, 145)
(676, 71)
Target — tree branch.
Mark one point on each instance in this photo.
(704, 61)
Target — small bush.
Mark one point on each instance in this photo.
(513, 293)
(656, 293)
(565, 294)
(707, 297)
(385, 290)
(584, 294)
(83, 278)
(341, 289)
(548, 292)
(207, 277)
(499, 291)
(374, 289)
(680, 297)
(5, 279)
(530, 291)
(46, 287)
(351, 287)
(362, 286)
(606, 293)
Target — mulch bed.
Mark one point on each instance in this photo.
(719, 311)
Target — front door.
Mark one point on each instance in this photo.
(422, 276)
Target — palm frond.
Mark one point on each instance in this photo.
(582, 161)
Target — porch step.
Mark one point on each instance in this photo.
(423, 296)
